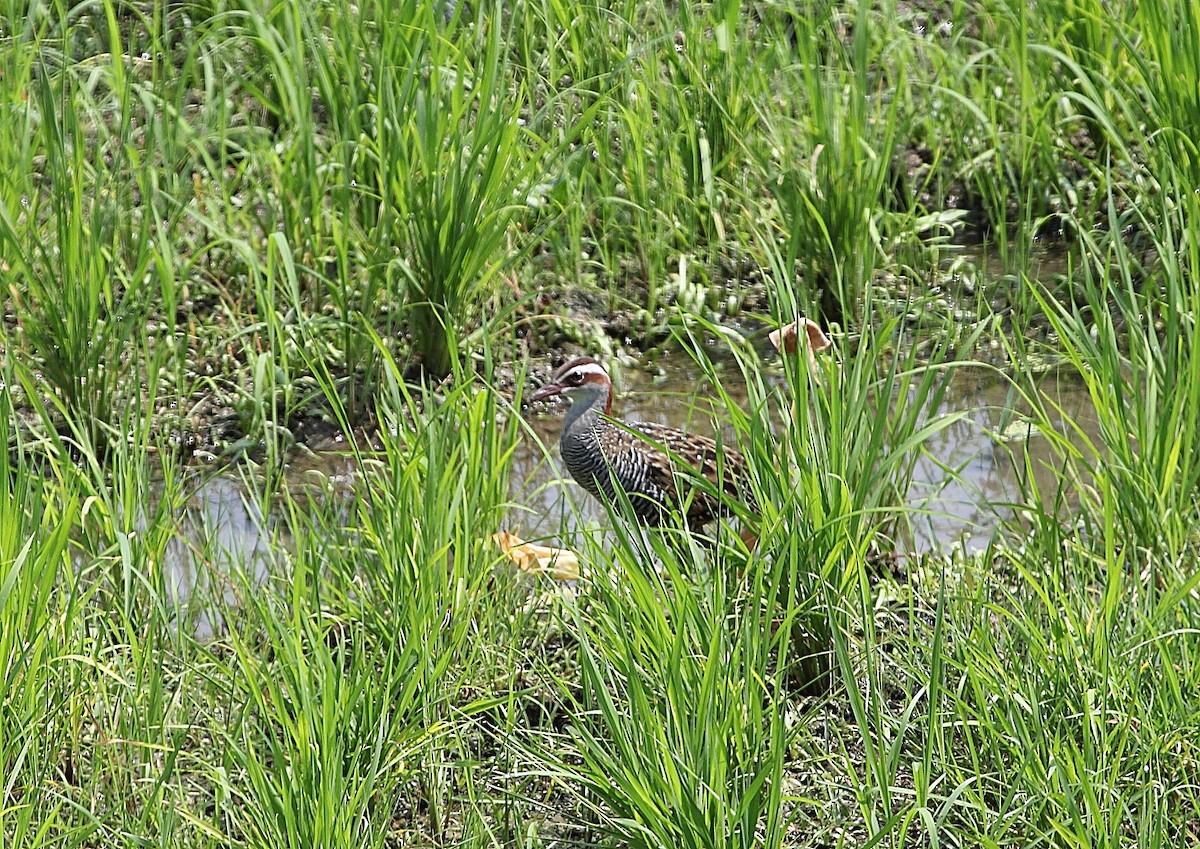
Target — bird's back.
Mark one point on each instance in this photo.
(656, 466)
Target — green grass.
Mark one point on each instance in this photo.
(226, 227)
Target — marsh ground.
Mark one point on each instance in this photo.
(231, 232)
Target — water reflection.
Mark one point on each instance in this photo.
(226, 544)
(972, 476)
(223, 544)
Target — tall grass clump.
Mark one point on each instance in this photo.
(282, 326)
(664, 99)
(1053, 721)
(38, 618)
(1168, 60)
(92, 726)
(1064, 705)
(581, 55)
(61, 234)
(358, 677)
(835, 490)
(1132, 339)
(678, 736)
(1010, 90)
(464, 182)
(408, 189)
(323, 727)
(89, 216)
(832, 188)
(1095, 49)
(833, 459)
(713, 81)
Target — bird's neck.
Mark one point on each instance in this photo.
(586, 409)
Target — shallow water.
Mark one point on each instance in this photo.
(223, 530)
(225, 543)
(963, 509)
(960, 509)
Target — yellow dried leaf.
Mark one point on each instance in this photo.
(559, 563)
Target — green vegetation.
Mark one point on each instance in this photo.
(226, 226)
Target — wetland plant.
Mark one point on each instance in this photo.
(227, 203)
(832, 192)
(78, 293)
(678, 733)
(460, 178)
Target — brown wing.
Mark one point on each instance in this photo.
(720, 466)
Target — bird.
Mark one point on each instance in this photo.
(656, 466)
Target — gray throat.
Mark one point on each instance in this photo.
(584, 413)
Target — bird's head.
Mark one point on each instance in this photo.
(583, 380)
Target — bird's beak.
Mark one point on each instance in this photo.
(547, 391)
